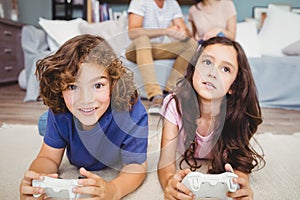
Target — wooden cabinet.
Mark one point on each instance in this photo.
(11, 54)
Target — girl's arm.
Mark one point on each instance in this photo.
(167, 160)
(169, 179)
(128, 180)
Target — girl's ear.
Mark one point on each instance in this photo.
(230, 91)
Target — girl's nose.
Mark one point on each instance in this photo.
(211, 75)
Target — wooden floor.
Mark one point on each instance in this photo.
(15, 111)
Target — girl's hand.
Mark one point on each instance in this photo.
(95, 186)
(245, 191)
(175, 189)
(26, 189)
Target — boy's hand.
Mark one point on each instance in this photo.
(95, 186)
(26, 189)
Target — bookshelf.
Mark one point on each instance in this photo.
(88, 6)
(64, 9)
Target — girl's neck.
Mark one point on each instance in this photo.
(210, 109)
(207, 119)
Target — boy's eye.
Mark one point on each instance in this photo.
(72, 87)
(98, 85)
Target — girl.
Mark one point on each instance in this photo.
(78, 84)
(210, 18)
(211, 115)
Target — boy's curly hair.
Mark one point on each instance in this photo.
(55, 72)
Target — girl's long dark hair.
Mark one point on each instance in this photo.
(237, 122)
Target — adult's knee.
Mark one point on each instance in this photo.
(142, 42)
(191, 44)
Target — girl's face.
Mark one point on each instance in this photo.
(215, 71)
(89, 97)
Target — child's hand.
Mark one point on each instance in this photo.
(245, 190)
(95, 186)
(26, 189)
(175, 189)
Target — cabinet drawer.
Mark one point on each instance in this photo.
(9, 34)
(8, 53)
(9, 71)
(11, 54)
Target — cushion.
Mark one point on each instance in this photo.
(246, 36)
(113, 31)
(280, 29)
(292, 49)
(60, 30)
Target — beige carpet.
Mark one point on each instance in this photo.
(280, 179)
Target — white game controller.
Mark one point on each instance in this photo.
(210, 185)
(58, 188)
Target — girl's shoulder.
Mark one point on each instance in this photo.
(169, 103)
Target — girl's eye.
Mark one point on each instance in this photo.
(207, 62)
(99, 85)
(226, 69)
(72, 87)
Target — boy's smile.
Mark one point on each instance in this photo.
(89, 97)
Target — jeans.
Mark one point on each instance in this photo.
(142, 52)
(42, 123)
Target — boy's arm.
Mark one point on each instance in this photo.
(129, 179)
(46, 163)
(48, 160)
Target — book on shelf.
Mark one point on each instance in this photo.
(101, 11)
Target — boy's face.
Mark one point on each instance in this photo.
(215, 71)
(89, 97)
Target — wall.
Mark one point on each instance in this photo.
(31, 10)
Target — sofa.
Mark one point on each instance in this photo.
(273, 53)
(38, 42)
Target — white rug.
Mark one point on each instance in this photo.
(280, 179)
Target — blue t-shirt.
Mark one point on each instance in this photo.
(118, 137)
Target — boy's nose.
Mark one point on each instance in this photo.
(87, 95)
